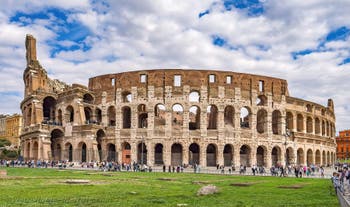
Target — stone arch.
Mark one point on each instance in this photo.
(111, 153)
(69, 151)
(194, 118)
(49, 107)
(245, 155)
(308, 108)
(261, 121)
(158, 154)
(70, 114)
(276, 122)
(88, 114)
(276, 156)
(261, 100)
(290, 156)
(317, 126)
(126, 97)
(211, 155)
(245, 117)
(56, 137)
(228, 155)
(194, 154)
(309, 157)
(300, 123)
(98, 113)
(289, 121)
(229, 116)
(327, 128)
(300, 157)
(194, 96)
(142, 153)
(126, 153)
(35, 151)
(176, 154)
(142, 116)
(212, 117)
(111, 115)
(328, 158)
(318, 157)
(87, 98)
(159, 115)
(27, 154)
(309, 126)
(126, 111)
(261, 156)
(83, 151)
(324, 158)
(177, 116)
(100, 135)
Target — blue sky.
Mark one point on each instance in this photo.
(304, 42)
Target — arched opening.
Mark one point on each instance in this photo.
(244, 154)
(195, 118)
(126, 153)
(126, 97)
(177, 117)
(290, 156)
(159, 115)
(309, 127)
(328, 158)
(276, 156)
(308, 108)
(142, 153)
(83, 150)
(176, 154)
(87, 98)
(276, 122)
(111, 116)
(194, 96)
(327, 128)
(88, 115)
(245, 117)
(69, 151)
(142, 116)
(59, 117)
(100, 134)
(323, 128)
(212, 117)
(317, 126)
(261, 121)
(35, 150)
(29, 116)
(98, 113)
(318, 157)
(324, 158)
(193, 154)
(261, 100)
(261, 156)
(300, 123)
(56, 138)
(211, 155)
(158, 154)
(229, 116)
(309, 157)
(111, 153)
(228, 155)
(49, 106)
(289, 121)
(70, 114)
(300, 157)
(126, 117)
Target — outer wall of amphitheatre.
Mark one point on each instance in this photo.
(173, 117)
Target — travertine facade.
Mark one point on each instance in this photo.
(14, 128)
(173, 117)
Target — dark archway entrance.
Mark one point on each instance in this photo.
(211, 155)
(228, 155)
(176, 154)
(193, 154)
(158, 154)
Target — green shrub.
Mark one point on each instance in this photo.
(4, 142)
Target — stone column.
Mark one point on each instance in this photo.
(185, 158)
(150, 154)
(253, 155)
(268, 158)
(220, 154)
(203, 155)
(237, 157)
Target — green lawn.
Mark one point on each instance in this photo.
(47, 187)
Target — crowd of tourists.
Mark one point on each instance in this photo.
(341, 178)
(279, 170)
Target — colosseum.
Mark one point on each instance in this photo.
(172, 117)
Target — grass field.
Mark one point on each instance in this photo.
(47, 187)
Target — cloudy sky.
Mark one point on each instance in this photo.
(304, 42)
